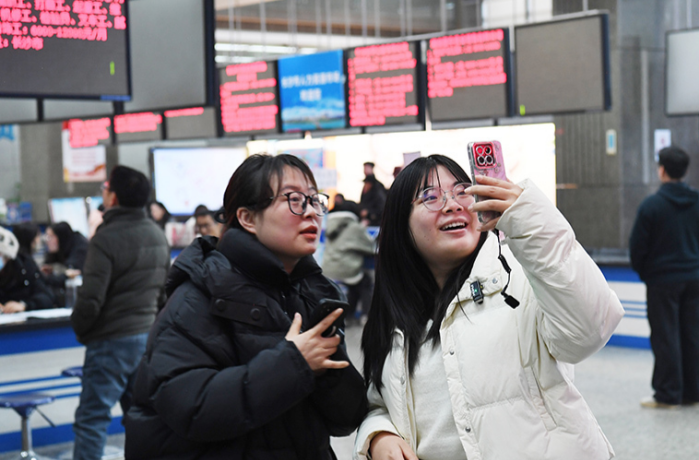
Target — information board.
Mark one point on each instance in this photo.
(88, 133)
(382, 84)
(563, 66)
(468, 75)
(249, 102)
(64, 48)
(138, 127)
(312, 92)
(191, 123)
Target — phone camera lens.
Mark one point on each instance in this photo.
(487, 150)
(489, 160)
(479, 150)
(480, 160)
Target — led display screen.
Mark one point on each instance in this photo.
(249, 99)
(681, 71)
(138, 127)
(467, 75)
(88, 133)
(192, 123)
(382, 84)
(563, 66)
(312, 92)
(64, 48)
(172, 54)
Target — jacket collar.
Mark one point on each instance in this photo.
(487, 270)
(123, 213)
(255, 260)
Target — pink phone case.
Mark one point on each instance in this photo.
(486, 159)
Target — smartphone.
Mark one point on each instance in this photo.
(486, 159)
(326, 307)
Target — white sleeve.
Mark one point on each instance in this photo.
(376, 421)
(578, 311)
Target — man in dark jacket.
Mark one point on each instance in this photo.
(123, 281)
(664, 248)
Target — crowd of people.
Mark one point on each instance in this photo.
(237, 350)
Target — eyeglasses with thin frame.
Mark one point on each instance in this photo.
(298, 201)
(435, 198)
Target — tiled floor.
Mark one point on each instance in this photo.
(613, 382)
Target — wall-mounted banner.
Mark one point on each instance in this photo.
(88, 164)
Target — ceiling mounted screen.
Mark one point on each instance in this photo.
(681, 71)
(468, 75)
(249, 102)
(172, 54)
(312, 92)
(563, 66)
(64, 48)
(382, 84)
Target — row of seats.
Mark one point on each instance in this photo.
(25, 404)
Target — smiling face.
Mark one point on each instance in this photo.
(447, 237)
(288, 236)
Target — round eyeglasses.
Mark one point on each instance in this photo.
(299, 200)
(434, 198)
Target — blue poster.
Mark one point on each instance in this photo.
(312, 92)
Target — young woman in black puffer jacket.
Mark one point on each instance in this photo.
(233, 369)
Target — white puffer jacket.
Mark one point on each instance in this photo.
(511, 392)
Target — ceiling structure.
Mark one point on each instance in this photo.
(249, 30)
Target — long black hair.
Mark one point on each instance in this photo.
(250, 185)
(64, 233)
(406, 294)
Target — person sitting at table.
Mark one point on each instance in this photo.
(22, 287)
(67, 250)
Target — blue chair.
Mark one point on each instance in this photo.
(76, 371)
(25, 405)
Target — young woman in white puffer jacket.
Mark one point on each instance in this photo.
(464, 360)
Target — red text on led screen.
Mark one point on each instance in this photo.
(382, 84)
(137, 123)
(464, 65)
(248, 98)
(88, 133)
(25, 24)
(191, 112)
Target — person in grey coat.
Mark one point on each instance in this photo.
(346, 246)
(123, 285)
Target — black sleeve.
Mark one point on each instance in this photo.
(202, 402)
(54, 280)
(41, 297)
(340, 397)
(76, 258)
(639, 241)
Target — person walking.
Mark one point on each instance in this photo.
(664, 248)
(123, 284)
(470, 342)
(235, 369)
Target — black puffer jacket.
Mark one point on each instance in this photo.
(219, 380)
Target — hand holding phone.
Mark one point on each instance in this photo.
(314, 347)
(326, 307)
(486, 159)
